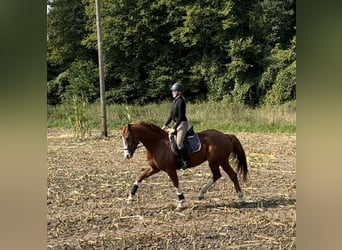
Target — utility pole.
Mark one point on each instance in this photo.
(104, 132)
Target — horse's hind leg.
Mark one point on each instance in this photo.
(216, 175)
(233, 176)
(147, 172)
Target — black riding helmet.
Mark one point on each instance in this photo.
(177, 87)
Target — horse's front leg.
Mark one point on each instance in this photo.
(146, 173)
(174, 177)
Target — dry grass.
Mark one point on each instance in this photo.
(88, 183)
(222, 115)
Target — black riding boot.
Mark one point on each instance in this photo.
(185, 158)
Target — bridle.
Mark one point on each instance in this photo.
(130, 148)
(138, 146)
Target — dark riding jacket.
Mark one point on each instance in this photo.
(178, 110)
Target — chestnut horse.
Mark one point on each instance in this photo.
(216, 147)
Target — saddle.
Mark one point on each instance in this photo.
(191, 142)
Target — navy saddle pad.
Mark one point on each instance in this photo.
(191, 142)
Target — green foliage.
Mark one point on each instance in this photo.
(284, 88)
(56, 89)
(279, 78)
(203, 23)
(82, 76)
(79, 80)
(81, 90)
(217, 49)
(273, 21)
(76, 110)
(244, 55)
(214, 75)
(66, 22)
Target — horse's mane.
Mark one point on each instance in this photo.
(153, 127)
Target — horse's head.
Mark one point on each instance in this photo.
(130, 141)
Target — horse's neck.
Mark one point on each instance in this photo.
(149, 138)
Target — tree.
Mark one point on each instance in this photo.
(217, 49)
(65, 31)
(279, 78)
(204, 32)
(244, 70)
(272, 22)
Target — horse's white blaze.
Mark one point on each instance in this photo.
(126, 153)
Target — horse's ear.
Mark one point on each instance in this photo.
(129, 126)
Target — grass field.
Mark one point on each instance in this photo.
(218, 115)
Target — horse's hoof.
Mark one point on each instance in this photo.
(179, 208)
(240, 196)
(129, 200)
(180, 205)
(201, 197)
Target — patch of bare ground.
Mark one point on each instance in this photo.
(88, 183)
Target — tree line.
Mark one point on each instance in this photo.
(241, 50)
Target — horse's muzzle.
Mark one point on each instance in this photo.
(129, 151)
(128, 154)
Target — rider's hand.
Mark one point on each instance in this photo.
(171, 132)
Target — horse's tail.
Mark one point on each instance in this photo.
(240, 155)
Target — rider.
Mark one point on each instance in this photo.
(178, 116)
